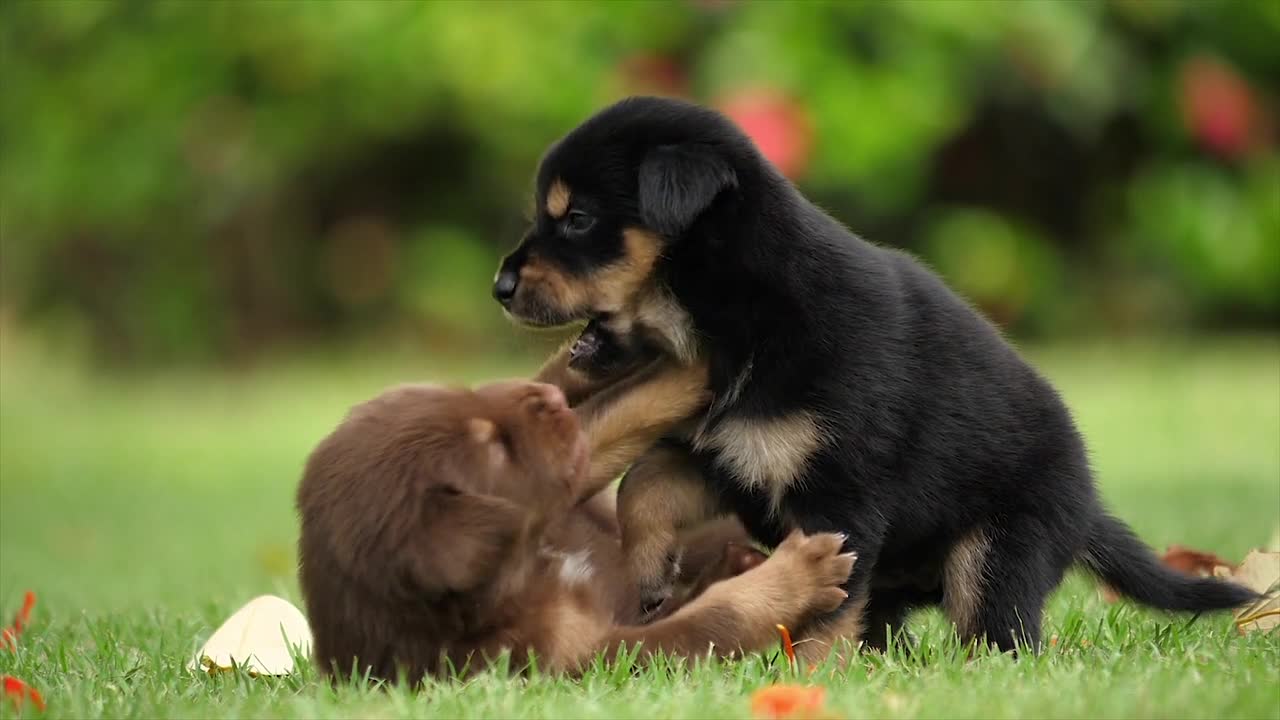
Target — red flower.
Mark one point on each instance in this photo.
(778, 126)
(9, 635)
(788, 701)
(19, 692)
(1218, 106)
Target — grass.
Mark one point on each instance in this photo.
(144, 511)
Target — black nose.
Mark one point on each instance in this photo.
(504, 288)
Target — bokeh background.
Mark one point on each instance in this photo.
(224, 223)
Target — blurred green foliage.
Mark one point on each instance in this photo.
(193, 180)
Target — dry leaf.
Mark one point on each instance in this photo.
(1192, 562)
(258, 636)
(1259, 572)
(1182, 559)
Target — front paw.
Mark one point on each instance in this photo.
(818, 568)
(657, 583)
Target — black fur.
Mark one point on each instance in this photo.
(937, 426)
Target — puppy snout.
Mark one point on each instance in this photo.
(504, 286)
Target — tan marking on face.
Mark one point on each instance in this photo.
(552, 285)
(615, 287)
(765, 454)
(963, 576)
(558, 196)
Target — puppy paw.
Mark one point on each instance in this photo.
(657, 587)
(817, 567)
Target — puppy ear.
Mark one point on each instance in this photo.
(742, 558)
(464, 541)
(679, 182)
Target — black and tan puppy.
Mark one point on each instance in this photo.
(441, 527)
(852, 389)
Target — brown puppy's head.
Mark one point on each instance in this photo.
(612, 198)
(425, 489)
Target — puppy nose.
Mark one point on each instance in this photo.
(504, 287)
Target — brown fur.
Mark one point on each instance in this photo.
(661, 495)
(441, 527)
(962, 577)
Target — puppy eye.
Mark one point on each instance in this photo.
(578, 221)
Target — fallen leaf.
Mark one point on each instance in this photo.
(789, 701)
(19, 693)
(1259, 572)
(258, 637)
(1192, 562)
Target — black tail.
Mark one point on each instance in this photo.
(1127, 565)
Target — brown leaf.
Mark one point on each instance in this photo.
(1193, 562)
(1182, 559)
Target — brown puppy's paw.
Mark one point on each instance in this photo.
(817, 567)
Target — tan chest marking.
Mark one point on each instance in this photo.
(769, 455)
(576, 568)
(662, 315)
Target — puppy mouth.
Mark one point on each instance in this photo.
(543, 319)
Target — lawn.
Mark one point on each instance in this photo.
(143, 511)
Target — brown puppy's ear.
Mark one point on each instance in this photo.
(464, 541)
(679, 182)
(741, 558)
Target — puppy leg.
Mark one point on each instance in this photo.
(801, 578)
(662, 494)
(625, 421)
(864, 533)
(995, 591)
(576, 385)
(887, 611)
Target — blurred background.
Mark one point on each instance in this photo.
(203, 182)
(223, 223)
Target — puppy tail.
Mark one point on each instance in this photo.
(1120, 559)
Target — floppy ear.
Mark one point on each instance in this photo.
(742, 558)
(679, 182)
(464, 541)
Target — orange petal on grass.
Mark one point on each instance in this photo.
(19, 692)
(787, 646)
(9, 635)
(787, 701)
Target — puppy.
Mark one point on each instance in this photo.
(852, 390)
(441, 527)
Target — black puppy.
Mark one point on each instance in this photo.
(853, 390)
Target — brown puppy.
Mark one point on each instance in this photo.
(441, 527)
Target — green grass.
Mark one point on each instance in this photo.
(144, 511)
